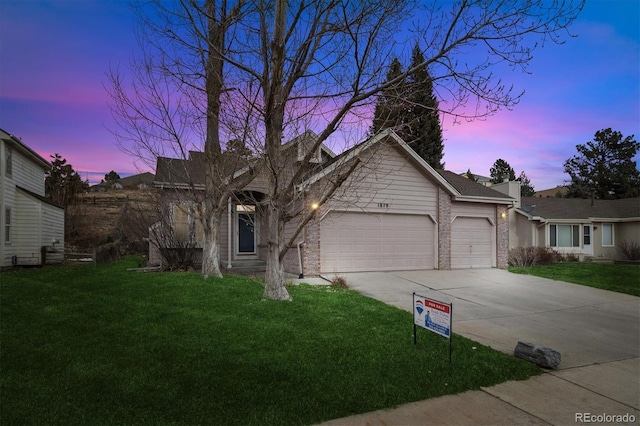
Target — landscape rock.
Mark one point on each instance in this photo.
(539, 355)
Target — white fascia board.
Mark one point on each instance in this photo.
(480, 199)
(614, 219)
(367, 144)
(342, 161)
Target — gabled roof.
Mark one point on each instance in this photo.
(547, 209)
(134, 180)
(462, 189)
(26, 151)
(182, 173)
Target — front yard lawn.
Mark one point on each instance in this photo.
(620, 278)
(101, 345)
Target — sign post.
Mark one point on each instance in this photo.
(433, 315)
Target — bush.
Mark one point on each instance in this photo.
(570, 257)
(532, 256)
(630, 250)
(339, 281)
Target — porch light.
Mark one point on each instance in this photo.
(503, 215)
(315, 206)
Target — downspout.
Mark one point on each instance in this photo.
(229, 215)
(300, 258)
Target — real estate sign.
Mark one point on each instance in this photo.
(432, 315)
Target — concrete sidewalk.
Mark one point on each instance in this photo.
(597, 333)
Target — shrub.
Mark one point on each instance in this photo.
(570, 257)
(630, 250)
(532, 256)
(339, 281)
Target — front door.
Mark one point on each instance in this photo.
(246, 235)
(587, 248)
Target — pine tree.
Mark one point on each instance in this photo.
(526, 189)
(501, 170)
(62, 183)
(411, 110)
(423, 132)
(604, 167)
(390, 103)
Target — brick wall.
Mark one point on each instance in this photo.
(444, 230)
(311, 248)
(502, 237)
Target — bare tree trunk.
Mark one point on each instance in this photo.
(212, 149)
(274, 287)
(210, 246)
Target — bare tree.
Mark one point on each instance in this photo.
(172, 102)
(291, 66)
(333, 52)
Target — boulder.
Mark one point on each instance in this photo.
(544, 357)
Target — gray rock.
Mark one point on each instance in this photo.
(544, 357)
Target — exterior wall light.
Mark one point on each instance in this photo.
(314, 206)
(503, 215)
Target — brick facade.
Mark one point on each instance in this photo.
(444, 230)
(502, 237)
(311, 248)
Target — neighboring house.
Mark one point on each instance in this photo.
(482, 180)
(139, 181)
(32, 227)
(394, 213)
(582, 227)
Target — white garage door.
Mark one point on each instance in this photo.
(472, 243)
(352, 242)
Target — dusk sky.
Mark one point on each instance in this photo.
(55, 55)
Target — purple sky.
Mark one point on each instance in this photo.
(55, 56)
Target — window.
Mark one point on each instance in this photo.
(607, 234)
(564, 235)
(7, 226)
(8, 169)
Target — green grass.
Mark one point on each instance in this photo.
(100, 345)
(620, 278)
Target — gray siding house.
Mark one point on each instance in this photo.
(395, 212)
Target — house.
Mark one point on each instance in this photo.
(482, 180)
(395, 212)
(32, 227)
(138, 181)
(586, 228)
(582, 227)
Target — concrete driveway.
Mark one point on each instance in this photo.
(597, 333)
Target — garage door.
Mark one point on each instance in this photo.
(352, 242)
(472, 241)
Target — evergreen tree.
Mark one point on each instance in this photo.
(62, 183)
(604, 167)
(111, 177)
(423, 132)
(411, 109)
(471, 176)
(526, 189)
(390, 103)
(501, 170)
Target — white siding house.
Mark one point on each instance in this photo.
(32, 227)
